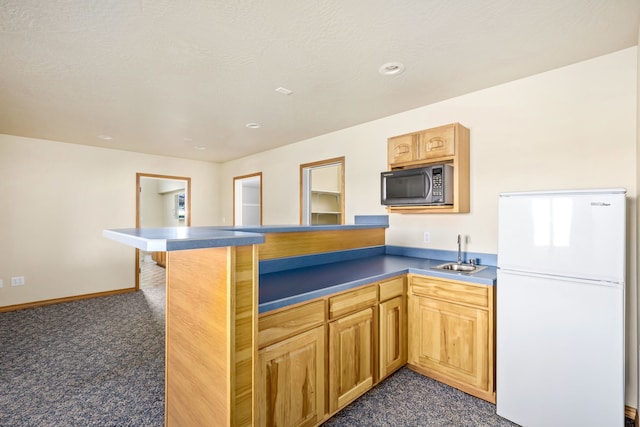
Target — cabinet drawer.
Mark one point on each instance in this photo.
(391, 288)
(287, 323)
(437, 142)
(450, 290)
(352, 301)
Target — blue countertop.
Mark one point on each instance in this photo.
(292, 280)
(181, 238)
(288, 287)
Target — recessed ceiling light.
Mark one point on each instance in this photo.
(187, 139)
(105, 137)
(199, 147)
(391, 69)
(252, 125)
(284, 90)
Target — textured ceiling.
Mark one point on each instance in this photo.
(167, 76)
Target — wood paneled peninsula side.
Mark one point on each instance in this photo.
(245, 304)
(211, 315)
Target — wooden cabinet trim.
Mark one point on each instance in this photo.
(282, 245)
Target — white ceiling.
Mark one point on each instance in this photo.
(183, 78)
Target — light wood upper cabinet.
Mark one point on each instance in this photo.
(451, 334)
(437, 143)
(402, 149)
(444, 144)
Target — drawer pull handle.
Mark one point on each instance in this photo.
(435, 143)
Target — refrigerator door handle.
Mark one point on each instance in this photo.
(563, 278)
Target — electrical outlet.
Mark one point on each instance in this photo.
(427, 237)
(17, 281)
(1, 283)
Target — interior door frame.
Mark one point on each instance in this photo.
(240, 178)
(305, 188)
(141, 175)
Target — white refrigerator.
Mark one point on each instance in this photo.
(560, 308)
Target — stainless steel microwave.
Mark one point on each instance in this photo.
(430, 185)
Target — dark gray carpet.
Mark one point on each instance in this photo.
(97, 362)
(410, 399)
(100, 362)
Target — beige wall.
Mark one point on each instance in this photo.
(57, 200)
(573, 127)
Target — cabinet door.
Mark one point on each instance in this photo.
(436, 143)
(393, 350)
(401, 149)
(350, 357)
(291, 381)
(449, 340)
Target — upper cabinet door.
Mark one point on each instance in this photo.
(401, 149)
(436, 143)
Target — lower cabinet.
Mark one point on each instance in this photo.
(451, 334)
(393, 339)
(317, 357)
(291, 371)
(350, 357)
(291, 391)
(392, 327)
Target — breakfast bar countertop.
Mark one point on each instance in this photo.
(284, 288)
(163, 239)
(182, 238)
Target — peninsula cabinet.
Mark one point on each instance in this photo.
(291, 367)
(392, 351)
(351, 345)
(451, 336)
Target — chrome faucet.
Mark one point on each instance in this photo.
(459, 251)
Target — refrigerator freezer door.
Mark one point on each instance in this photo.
(578, 235)
(559, 352)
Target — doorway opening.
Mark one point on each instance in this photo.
(161, 201)
(322, 192)
(247, 199)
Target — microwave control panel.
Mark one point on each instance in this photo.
(437, 185)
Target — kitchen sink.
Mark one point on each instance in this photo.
(460, 268)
